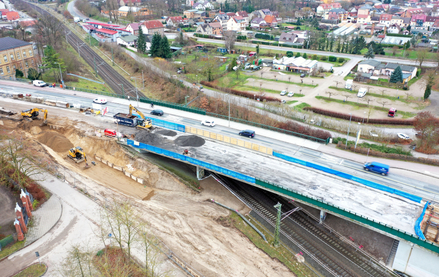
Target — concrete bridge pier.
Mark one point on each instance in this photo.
(322, 216)
(200, 173)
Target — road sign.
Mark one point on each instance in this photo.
(37, 254)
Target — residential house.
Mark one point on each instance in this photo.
(152, 27)
(406, 69)
(295, 37)
(200, 14)
(3, 13)
(429, 21)
(324, 8)
(216, 27)
(293, 64)
(258, 23)
(244, 15)
(190, 13)
(337, 14)
(394, 29)
(204, 29)
(364, 15)
(412, 12)
(127, 40)
(263, 13)
(236, 23)
(397, 20)
(16, 54)
(12, 16)
(202, 6)
(406, 21)
(174, 21)
(435, 26)
(130, 3)
(135, 11)
(271, 20)
(386, 19)
(372, 67)
(377, 68)
(133, 28)
(222, 18)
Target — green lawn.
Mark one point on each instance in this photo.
(301, 106)
(11, 249)
(35, 270)
(291, 102)
(393, 98)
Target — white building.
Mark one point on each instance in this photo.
(293, 64)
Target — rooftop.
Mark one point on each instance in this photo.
(10, 43)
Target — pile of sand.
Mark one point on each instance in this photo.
(189, 141)
(165, 132)
(56, 141)
(35, 130)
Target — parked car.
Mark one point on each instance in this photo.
(283, 93)
(157, 112)
(109, 133)
(403, 136)
(283, 102)
(247, 133)
(362, 92)
(373, 134)
(39, 83)
(208, 122)
(290, 94)
(303, 75)
(100, 101)
(380, 168)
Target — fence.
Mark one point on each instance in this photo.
(168, 125)
(6, 241)
(349, 177)
(357, 217)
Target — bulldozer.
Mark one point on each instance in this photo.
(33, 114)
(146, 124)
(77, 154)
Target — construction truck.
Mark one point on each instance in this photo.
(33, 114)
(132, 120)
(77, 154)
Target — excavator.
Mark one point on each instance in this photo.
(147, 124)
(77, 154)
(33, 114)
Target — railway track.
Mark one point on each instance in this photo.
(117, 82)
(332, 256)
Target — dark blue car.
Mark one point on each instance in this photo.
(380, 168)
(247, 133)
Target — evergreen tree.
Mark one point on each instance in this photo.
(18, 73)
(427, 92)
(52, 60)
(141, 42)
(396, 76)
(232, 64)
(155, 45)
(379, 49)
(370, 53)
(305, 55)
(297, 54)
(165, 49)
(33, 74)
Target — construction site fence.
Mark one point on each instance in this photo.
(418, 230)
(354, 216)
(365, 182)
(6, 241)
(267, 127)
(230, 140)
(193, 161)
(169, 125)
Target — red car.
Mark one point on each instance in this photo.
(110, 133)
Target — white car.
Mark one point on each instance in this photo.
(362, 92)
(290, 94)
(284, 92)
(208, 122)
(100, 101)
(39, 83)
(403, 136)
(373, 134)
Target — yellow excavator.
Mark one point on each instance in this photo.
(147, 124)
(77, 154)
(33, 114)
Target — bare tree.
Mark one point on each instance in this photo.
(421, 56)
(229, 39)
(50, 30)
(347, 95)
(382, 92)
(368, 100)
(112, 7)
(330, 93)
(383, 102)
(289, 79)
(407, 94)
(336, 83)
(79, 262)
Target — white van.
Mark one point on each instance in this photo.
(39, 83)
(362, 92)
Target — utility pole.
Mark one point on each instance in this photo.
(143, 82)
(94, 61)
(112, 55)
(123, 92)
(278, 206)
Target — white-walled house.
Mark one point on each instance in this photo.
(236, 23)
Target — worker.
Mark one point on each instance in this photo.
(152, 105)
(54, 85)
(186, 152)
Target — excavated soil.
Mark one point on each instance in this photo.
(190, 141)
(58, 142)
(153, 139)
(165, 132)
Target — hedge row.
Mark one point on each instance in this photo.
(360, 119)
(240, 92)
(374, 153)
(264, 36)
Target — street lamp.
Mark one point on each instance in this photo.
(60, 74)
(123, 92)
(347, 136)
(228, 96)
(137, 95)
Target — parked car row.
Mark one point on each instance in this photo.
(289, 94)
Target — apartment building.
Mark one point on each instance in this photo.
(15, 54)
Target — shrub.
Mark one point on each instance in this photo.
(340, 60)
(290, 54)
(332, 59)
(314, 57)
(240, 92)
(305, 56)
(298, 54)
(323, 58)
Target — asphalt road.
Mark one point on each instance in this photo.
(305, 150)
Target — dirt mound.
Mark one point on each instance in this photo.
(149, 138)
(165, 132)
(190, 141)
(56, 141)
(35, 130)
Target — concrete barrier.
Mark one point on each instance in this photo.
(110, 164)
(104, 161)
(62, 104)
(140, 181)
(127, 174)
(50, 103)
(98, 158)
(117, 167)
(134, 178)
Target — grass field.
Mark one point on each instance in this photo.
(35, 270)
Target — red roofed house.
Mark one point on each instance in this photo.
(133, 28)
(10, 16)
(152, 27)
(418, 20)
(324, 8)
(386, 19)
(174, 21)
(244, 15)
(3, 13)
(271, 20)
(28, 23)
(411, 12)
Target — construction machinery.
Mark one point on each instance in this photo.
(133, 120)
(147, 124)
(33, 114)
(77, 154)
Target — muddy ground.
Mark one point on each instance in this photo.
(185, 220)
